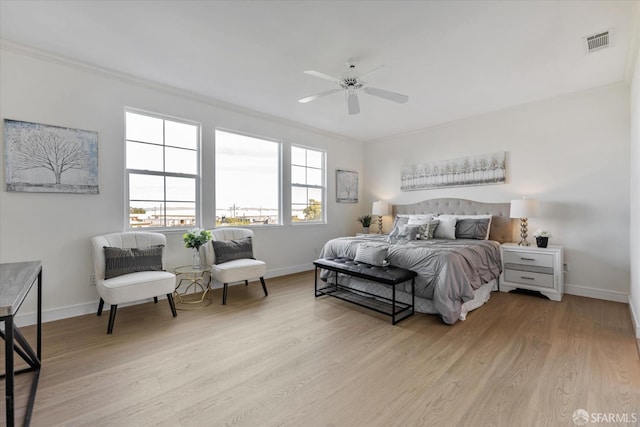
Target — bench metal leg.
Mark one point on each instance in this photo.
(393, 305)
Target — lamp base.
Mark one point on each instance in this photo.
(379, 224)
(523, 233)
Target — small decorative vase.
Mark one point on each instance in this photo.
(542, 242)
(196, 259)
(365, 230)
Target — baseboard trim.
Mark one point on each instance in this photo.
(584, 291)
(635, 319)
(289, 270)
(60, 313)
(57, 313)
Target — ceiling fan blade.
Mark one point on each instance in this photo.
(391, 96)
(322, 76)
(352, 103)
(371, 71)
(319, 95)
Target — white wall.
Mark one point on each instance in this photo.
(56, 228)
(570, 152)
(634, 298)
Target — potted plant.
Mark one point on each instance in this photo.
(195, 238)
(542, 237)
(365, 220)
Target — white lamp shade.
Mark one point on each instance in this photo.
(381, 208)
(524, 208)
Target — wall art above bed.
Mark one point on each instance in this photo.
(483, 169)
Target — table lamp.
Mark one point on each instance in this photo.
(381, 209)
(524, 209)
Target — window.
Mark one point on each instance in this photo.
(162, 171)
(307, 185)
(247, 180)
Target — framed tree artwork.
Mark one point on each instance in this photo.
(50, 159)
(346, 186)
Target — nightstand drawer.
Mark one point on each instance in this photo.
(528, 258)
(529, 278)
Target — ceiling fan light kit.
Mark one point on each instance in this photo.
(350, 84)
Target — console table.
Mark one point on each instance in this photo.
(16, 280)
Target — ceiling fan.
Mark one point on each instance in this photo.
(350, 83)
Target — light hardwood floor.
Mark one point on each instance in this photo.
(293, 360)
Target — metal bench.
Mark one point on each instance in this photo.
(387, 275)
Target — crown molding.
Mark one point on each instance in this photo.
(128, 78)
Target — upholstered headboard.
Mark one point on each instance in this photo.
(501, 225)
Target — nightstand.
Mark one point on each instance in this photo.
(533, 268)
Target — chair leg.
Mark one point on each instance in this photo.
(224, 294)
(264, 287)
(246, 283)
(112, 318)
(172, 304)
(100, 307)
(155, 300)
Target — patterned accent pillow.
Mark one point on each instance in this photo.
(433, 224)
(423, 224)
(472, 228)
(233, 249)
(371, 253)
(427, 225)
(119, 261)
(397, 223)
(405, 234)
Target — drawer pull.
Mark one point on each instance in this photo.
(527, 259)
(528, 278)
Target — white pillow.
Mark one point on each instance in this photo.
(371, 253)
(446, 228)
(471, 217)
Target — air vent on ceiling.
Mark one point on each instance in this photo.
(597, 41)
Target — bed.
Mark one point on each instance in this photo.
(455, 276)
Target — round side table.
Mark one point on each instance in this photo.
(195, 280)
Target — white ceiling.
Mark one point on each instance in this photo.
(454, 59)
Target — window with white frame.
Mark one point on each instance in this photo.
(308, 185)
(162, 171)
(247, 180)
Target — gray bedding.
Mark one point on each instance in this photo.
(448, 270)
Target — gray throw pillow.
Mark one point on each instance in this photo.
(371, 253)
(467, 228)
(119, 261)
(233, 249)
